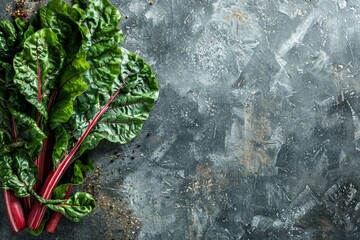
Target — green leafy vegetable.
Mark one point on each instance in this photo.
(17, 173)
(65, 85)
(61, 190)
(79, 168)
(76, 207)
(8, 38)
(136, 92)
(37, 67)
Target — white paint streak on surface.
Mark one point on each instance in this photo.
(281, 78)
(299, 34)
(163, 148)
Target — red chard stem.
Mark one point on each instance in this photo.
(14, 208)
(38, 209)
(14, 211)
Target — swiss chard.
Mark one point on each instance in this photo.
(66, 85)
(123, 110)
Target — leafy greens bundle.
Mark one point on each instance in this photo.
(65, 85)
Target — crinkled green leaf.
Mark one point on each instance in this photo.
(60, 145)
(5, 126)
(8, 178)
(69, 87)
(28, 132)
(21, 25)
(138, 91)
(104, 64)
(63, 19)
(37, 67)
(76, 207)
(60, 7)
(103, 55)
(25, 168)
(11, 37)
(101, 20)
(8, 39)
(14, 123)
(18, 172)
(104, 61)
(6, 76)
(21, 28)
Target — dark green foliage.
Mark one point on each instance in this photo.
(63, 76)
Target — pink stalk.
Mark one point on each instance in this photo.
(46, 150)
(14, 211)
(13, 204)
(39, 162)
(43, 169)
(56, 216)
(38, 209)
(42, 162)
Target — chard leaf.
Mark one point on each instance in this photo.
(104, 61)
(17, 173)
(8, 39)
(16, 128)
(84, 164)
(34, 26)
(136, 91)
(21, 28)
(78, 177)
(60, 145)
(60, 191)
(70, 86)
(37, 67)
(76, 207)
(103, 55)
(5, 118)
(101, 21)
(63, 19)
(8, 178)
(26, 170)
(28, 132)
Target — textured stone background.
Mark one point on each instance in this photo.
(256, 134)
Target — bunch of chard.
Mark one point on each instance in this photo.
(65, 85)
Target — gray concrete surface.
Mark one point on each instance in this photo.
(256, 131)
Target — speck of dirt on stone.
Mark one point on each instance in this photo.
(119, 218)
